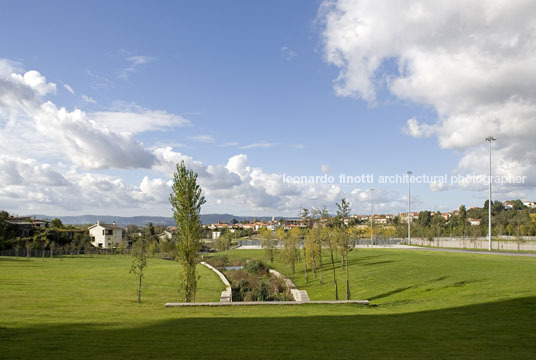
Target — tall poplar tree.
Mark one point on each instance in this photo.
(186, 201)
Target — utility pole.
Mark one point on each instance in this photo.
(409, 207)
(489, 139)
(372, 213)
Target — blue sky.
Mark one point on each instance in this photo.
(278, 83)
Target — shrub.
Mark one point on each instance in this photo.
(218, 261)
(255, 267)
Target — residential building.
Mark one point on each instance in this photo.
(474, 222)
(530, 204)
(24, 226)
(105, 236)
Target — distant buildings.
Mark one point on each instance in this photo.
(530, 204)
(474, 222)
(25, 227)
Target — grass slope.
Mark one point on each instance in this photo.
(431, 305)
(414, 280)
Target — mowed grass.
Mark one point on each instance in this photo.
(414, 280)
(430, 305)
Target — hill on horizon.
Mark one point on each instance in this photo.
(143, 220)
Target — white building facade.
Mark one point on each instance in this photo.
(105, 236)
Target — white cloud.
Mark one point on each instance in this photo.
(35, 133)
(262, 144)
(438, 186)
(229, 143)
(17, 171)
(287, 53)
(34, 128)
(88, 99)
(134, 119)
(136, 62)
(69, 89)
(203, 138)
(474, 62)
(98, 80)
(211, 177)
(34, 80)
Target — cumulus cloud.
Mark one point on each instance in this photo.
(241, 185)
(90, 140)
(17, 171)
(35, 81)
(35, 132)
(86, 143)
(79, 192)
(474, 62)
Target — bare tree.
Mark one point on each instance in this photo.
(139, 262)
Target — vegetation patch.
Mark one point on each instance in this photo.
(251, 280)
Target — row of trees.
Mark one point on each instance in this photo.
(310, 246)
(520, 221)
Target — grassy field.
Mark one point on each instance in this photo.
(430, 305)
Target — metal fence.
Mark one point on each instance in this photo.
(23, 252)
(354, 243)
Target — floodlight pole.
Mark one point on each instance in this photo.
(409, 207)
(372, 213)
(489, 139)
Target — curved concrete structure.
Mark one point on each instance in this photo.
(298, 295)
(227, 294)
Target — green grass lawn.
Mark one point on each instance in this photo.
(430, 305)
(413, 280)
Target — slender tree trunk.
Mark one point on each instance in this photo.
(305, 263)
(348, 295)
(139, 289)
(334, 275)
(321, 264)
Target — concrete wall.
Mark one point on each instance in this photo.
(499, 243)
(227, 294)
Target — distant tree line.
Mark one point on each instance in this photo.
(518, 221)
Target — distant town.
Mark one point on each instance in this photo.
(510, 218)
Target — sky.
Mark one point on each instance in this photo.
(271, 103)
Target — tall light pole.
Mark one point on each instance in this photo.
(489, 139)
(409, 206)
(372, 211)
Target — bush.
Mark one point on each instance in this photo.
(254, 282)
(218, 262)
(255, 267)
